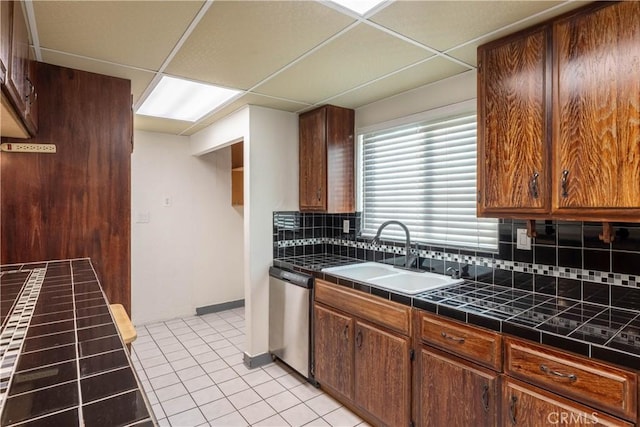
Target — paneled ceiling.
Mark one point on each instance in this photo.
(289, 55)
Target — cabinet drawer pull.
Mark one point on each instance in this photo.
(564, 183)
(451, 338)
(485, 398)
(359, 339)
(533, 185)
(551, 372)
(512, 410)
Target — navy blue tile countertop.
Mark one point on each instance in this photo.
(604, 332)
(62, 362)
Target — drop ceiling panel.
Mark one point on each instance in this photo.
(140, 79)
(136, 33)
(428, 72)
(248, 99)
(362, 54)
(468, 52)
(445, 24)
(156, 124)
(239, 43)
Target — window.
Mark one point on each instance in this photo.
(424, 175)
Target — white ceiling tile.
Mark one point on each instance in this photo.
(428, 72)
(136, 33)
(445, 24)
(358, 56)
(239, 43)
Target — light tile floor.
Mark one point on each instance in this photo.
(193, 373)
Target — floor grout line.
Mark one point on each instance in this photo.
(222, 323)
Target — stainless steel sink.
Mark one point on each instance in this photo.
(389, 277)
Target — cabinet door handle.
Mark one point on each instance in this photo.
(485, 398)
(32, 91)
(318, 194)
(345, 332)
(533, 185)
(452, 338)
(551, 372)
(512, 410)
(359, 339)
(564, 183)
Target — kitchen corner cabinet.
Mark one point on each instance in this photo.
(363, 353)
(19, 108)
(566, 91)
(326, 155)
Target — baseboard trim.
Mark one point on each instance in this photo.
(219, 307)
(257, 361)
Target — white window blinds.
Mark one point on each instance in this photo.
(424, 175)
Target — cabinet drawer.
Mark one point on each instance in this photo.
(600, 385)
(392, 315)
(478, 345)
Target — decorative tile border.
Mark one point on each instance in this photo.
(521, 267)
(14, 333)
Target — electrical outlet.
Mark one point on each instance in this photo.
(27, 148)
(524, 241)
(345, 226)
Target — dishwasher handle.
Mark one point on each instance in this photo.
(292, 277)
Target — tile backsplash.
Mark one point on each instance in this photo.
(566, 258)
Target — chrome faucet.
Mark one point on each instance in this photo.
(455, 274)
(408, 259)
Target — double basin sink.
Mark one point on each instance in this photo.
(392, 278)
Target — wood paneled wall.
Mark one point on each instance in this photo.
(77, 202)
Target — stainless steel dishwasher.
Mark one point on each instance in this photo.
(290, 320)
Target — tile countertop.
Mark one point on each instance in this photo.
(62, 362)
(602, 332)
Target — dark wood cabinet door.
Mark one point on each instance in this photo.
(513, 170)
(6, 13)
(382, 374)
(596, 131)
(333, 350)
(454, 392)
(313, 160)
(525, 405)
(340, 158)
(326, 160)
(17, 83)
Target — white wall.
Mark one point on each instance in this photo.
(174, 255)
(271, 183)
(439, 94)
(272, 186)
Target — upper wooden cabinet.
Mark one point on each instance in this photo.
(326, 160)
(19, 96)
(566, 91)
(513, 159)
(596, 102)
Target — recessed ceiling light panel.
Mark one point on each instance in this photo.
(359, 6)
(179, 99)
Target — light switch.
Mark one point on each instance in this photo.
(524, 241)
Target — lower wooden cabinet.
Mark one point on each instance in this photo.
(366, 366)
(526, 405)
(382, 374)
(334, 350)
(454, 392)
